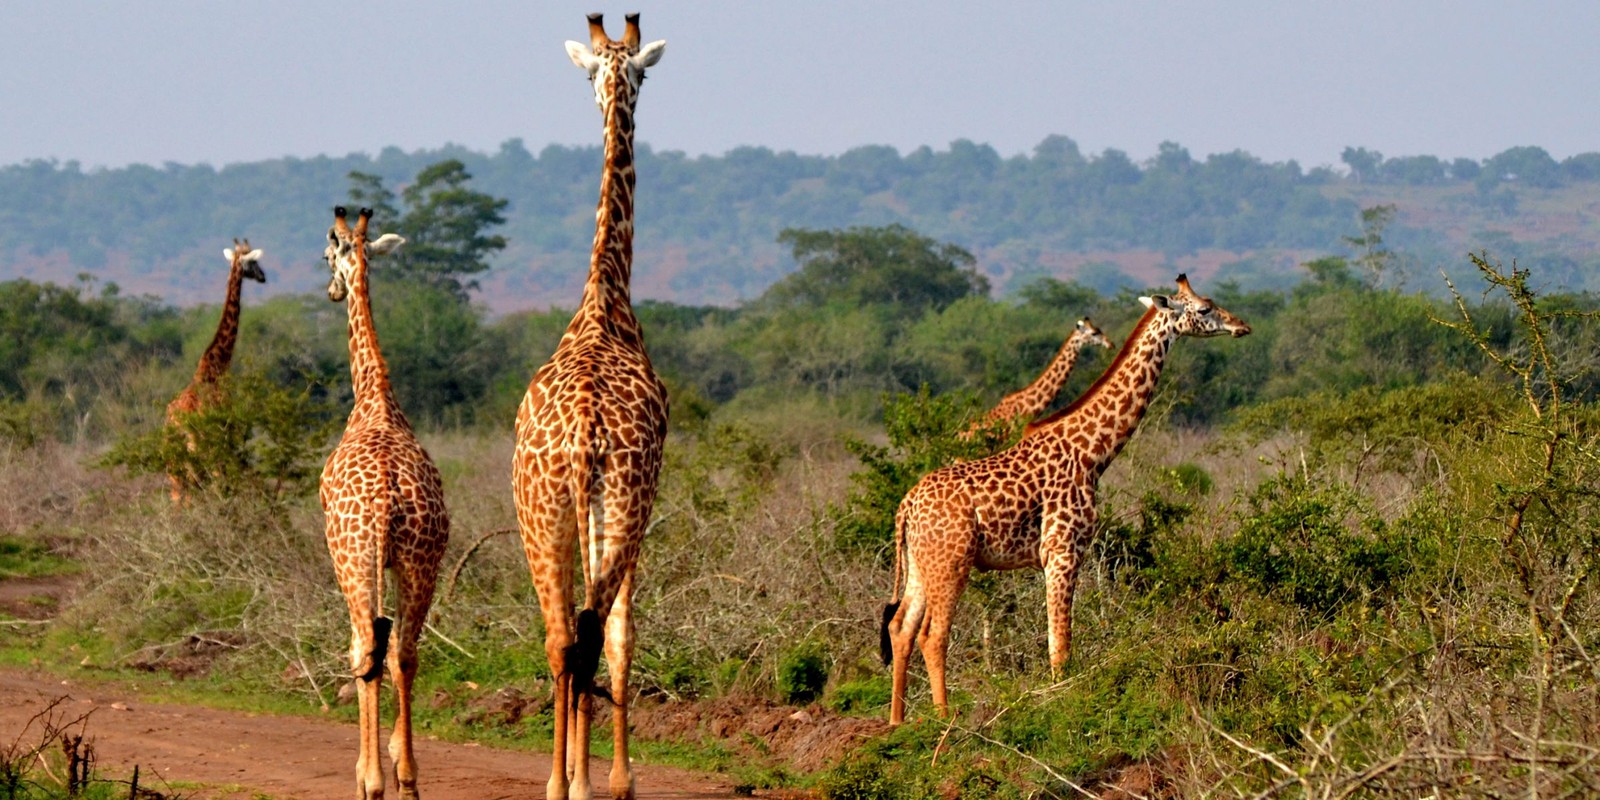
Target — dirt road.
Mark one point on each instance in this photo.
(237, 755)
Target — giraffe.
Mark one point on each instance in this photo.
(589, 439)
(201, 393)
(1027, 403)
(1031, 506)
(384, 508)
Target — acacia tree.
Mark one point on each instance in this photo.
(443, 222)
(892, 265)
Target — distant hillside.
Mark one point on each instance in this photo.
(707, 225)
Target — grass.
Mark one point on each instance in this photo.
(1250, 615)
(27, 557)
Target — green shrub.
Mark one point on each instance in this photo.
(861, 695)
(802, 674)
(1297, 542)
(924, 435)
(258, 438)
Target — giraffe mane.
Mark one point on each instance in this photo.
(1123, 355)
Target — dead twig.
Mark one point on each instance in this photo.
(461, 562)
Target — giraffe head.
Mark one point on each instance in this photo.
(1196, 315)
(348, 251)
(1087, 333)
(615, 67)
(247, 261)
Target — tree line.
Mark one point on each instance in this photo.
(723, 213)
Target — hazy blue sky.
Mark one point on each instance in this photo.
(220, 82)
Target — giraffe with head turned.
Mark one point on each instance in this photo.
(1027, 403)
(589, 440)
(1031, 506)
(383, 504)
(202, 391)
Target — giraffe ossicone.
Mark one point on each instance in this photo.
(1031, 506)
(590, 432)
(383, 506)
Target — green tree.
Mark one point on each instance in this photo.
(891, 266)
(1363, 163)
(1374, 258)
(443, 222)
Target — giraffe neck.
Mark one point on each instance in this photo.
(369, 374)
(1101, 421)
(219, 354)
(606, 304)
(1037, 396)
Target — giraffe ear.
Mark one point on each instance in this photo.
(253, 255)
(580, 55)
(385, 244)
(650, 54)
(1160, 301)
(228, 254)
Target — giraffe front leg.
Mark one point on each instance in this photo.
(619, 659)
(578, 746)
(1062, 553)
(364, 633)
(413, 611)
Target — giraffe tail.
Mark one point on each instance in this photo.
(583, 655)
(885, 647)
(370, 665)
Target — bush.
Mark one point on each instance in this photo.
(924, 434)
(802, 674)
(862, 695)
(259, 438)
(1297, 542)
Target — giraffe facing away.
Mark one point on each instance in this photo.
(202, 390)
(589, 438)
(1027, 403)
(1031, 506)
(383, 504)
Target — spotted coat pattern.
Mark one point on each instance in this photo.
(383, 504)
(1030, 402)
(589, 447)
(202, 390)
(1031, 506)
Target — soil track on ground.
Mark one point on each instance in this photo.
(239, 755)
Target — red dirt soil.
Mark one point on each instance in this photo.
(238, 755)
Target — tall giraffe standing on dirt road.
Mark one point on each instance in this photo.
(1032, 505)
(1027, 403)
(383, 503)
(589, 438)
(202, 391)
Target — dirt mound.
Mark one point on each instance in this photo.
(803, 739)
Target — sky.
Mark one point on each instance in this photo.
(108, 84)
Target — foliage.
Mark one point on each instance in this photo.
(1543, 505)
(443, 224)
(1373, 428)
(258, 438)
(1297, 540)
(802, 674)
(892, 266)
(724, 211)
(924, 433)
